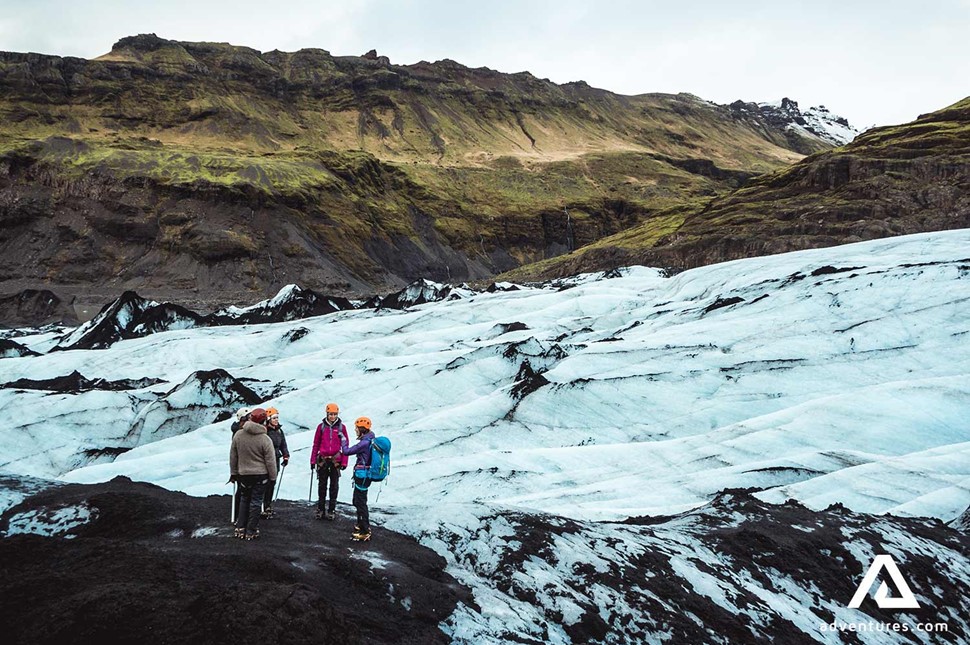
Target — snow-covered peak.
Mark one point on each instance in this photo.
(818, 121)
(286, 294)
(420, 292)
(112, 322)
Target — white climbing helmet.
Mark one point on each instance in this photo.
(241, 412)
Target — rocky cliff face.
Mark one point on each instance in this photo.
(889, 181)
(209, 173)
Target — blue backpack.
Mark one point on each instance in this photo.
(380, 459)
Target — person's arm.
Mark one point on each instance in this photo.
(343, 442)
(316, 445)
(356, 449)
(283, 448)
(345, 447)
(269, 458)
(233, 459)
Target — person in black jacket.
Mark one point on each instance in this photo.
(242, 416)
(275, 432)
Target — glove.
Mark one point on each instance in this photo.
(343, 468)
(232, 478)
(286, 460)
(313, 467)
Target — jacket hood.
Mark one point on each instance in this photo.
(336, 423)
(254, 428)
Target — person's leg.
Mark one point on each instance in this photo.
(268, 497)
(364, 514)
(252, 526)
(270, 490)
(245, 496)
(321, 487)
(360, 503)
(334, 487)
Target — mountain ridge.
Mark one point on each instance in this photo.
(165, 160)
(892, 180)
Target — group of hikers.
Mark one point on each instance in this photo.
(258, 449)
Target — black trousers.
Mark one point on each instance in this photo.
(251, 488)
(328, 476)
(271, 488)
(361, 484)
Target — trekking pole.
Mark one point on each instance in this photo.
(232, 498)
(310, 496)
(279, 483)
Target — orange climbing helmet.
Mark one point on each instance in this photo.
(332, 407)
(362, 422)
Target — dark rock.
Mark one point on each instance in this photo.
(132, 316)
(416, 293)
(75, 383)
(527, 381)
(829, 270)
(296, 334)
(35, 307)
(495, 288)
(722, 302)
(153, 566)
(13, 349)
(298, 303)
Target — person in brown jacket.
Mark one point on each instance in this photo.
(252, 463)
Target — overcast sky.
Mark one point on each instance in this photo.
(875, 63)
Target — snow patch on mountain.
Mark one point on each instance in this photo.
(420, 292)
(817, 121)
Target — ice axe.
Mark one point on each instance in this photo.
(279, 483)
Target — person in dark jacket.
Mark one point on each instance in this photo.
(326, 459)
(275, 432)
(242, 415)
(361, 481)
(252, 463)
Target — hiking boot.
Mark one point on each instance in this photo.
(360, 536)
(239, 533)
(331, 515)
(319, 514)
(267, 514)
(253, 536)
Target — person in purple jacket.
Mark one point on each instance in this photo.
(361, 480)
(327, 461)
